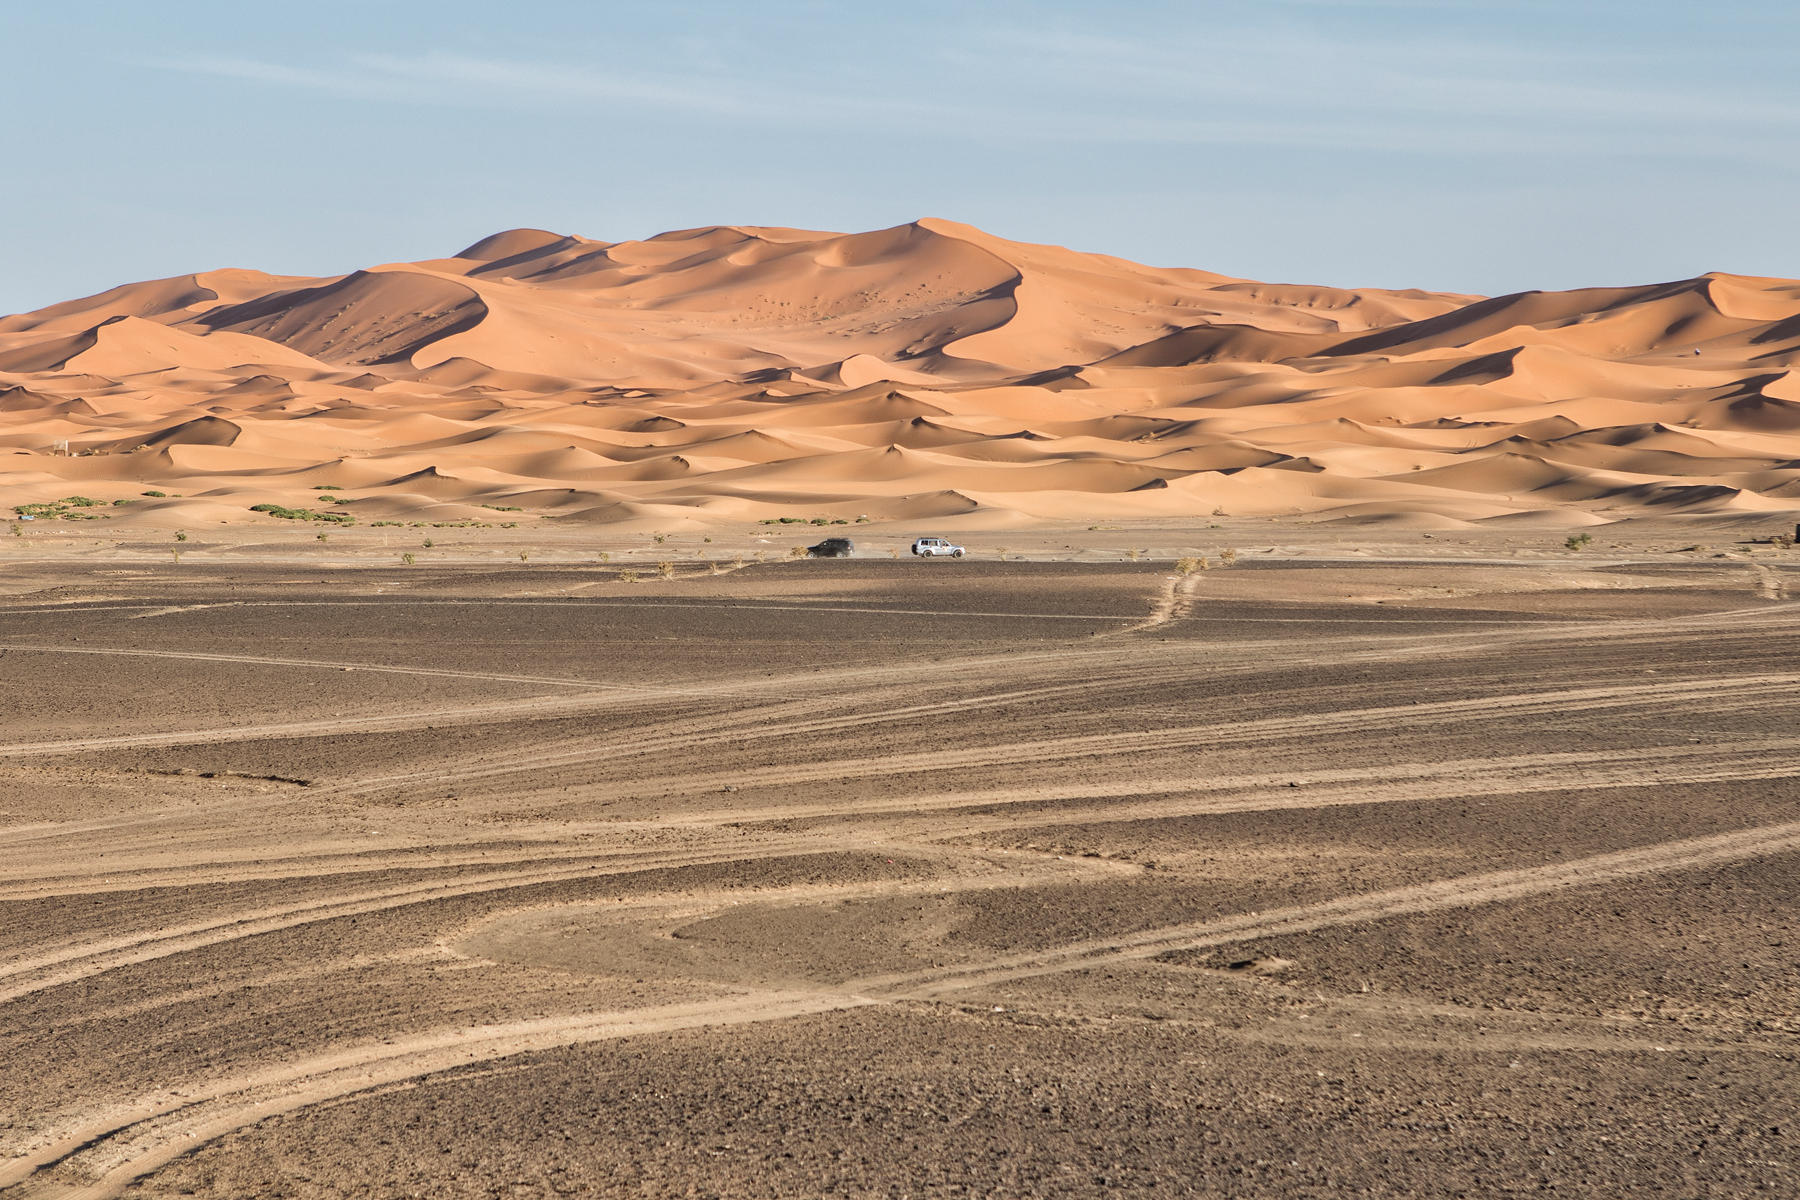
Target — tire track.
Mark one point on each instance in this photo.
(1738, 691)
(1468, 891)
(1174, 600)
(1769, 584)
(141, 1136)
(70, 962)
(1453, 779)
(75, 961)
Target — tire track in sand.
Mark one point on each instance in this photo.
(109, 1153)
(1174, 600)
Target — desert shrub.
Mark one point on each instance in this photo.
(407, 558)
(1187, 566)
(1132, 554)
(605, 557)
(303, 514)
(154, 495)
(122, 503)
(1228, 556)
(628, 576)
(1577, 541)
(427, 543)
(666, 570)
(180, 535)
(323, 536)
(796, 551)
(504, 507)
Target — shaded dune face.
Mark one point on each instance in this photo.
(929, 369)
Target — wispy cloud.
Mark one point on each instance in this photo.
(1263, 80)
(443, 77)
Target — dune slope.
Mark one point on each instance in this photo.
(929, 369)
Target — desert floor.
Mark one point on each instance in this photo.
(1397, 865)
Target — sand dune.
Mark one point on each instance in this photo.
(928, 370)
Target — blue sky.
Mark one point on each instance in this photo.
(1483, 146)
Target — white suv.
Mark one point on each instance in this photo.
(933, 547)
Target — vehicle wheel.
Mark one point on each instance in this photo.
(956, 554)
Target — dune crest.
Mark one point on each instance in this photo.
(930, 369)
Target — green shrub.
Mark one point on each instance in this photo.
(303, 514)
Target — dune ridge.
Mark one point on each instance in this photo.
(928, 370)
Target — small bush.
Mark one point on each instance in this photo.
(659, 538)
(180, 536)
(1132, 554)
(154, 495)
(122, 503)
(323, 536)
(666, 570)
(796, 551)
(504, 507)
(407, 559)
(628, 576)
(427, 543)
(1577, 541)
(303, 514)
(1228, 556)
(1187, 566)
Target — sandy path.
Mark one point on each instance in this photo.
(141, 1135)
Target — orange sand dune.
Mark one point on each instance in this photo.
(928, 371)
